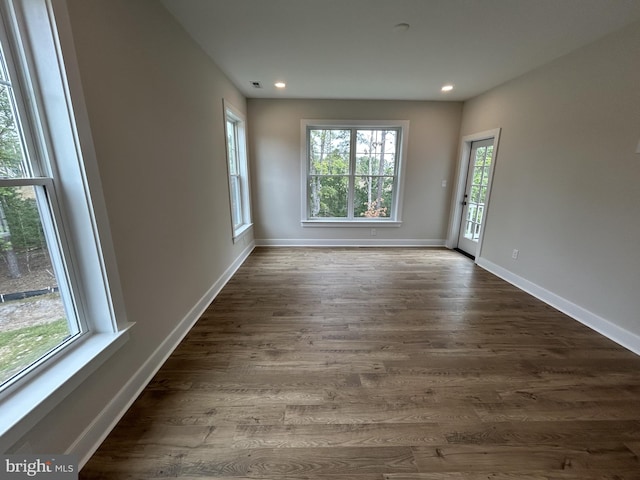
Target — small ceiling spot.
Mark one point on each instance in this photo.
(280, 84)
(401, 27)
(447, 88)
(256, 84)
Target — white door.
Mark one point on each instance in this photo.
(475, 195)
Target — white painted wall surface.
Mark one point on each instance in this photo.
(274, 148)
(566, 189)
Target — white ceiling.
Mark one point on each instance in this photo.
(348, 49)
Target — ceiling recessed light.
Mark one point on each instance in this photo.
(280, 84)
(447, 88)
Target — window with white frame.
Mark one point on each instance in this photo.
(238, 170)
(353, 172)
(37, 309)
(61, 312)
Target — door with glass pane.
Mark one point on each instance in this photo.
(475, 195)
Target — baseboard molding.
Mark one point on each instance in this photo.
(93, 436)
(347, 242)
(621, 336)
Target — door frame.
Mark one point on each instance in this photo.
(462, 170)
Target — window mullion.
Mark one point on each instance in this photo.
(396, 188)
(352, 173)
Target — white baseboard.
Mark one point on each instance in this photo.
(347, 242)
(621, 336)
(93, 436)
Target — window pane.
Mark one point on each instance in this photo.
(485, 176)
(478, 175)
(480, 154)
(11, 152)
(328, 196)
(373, 197)
(468, 231)
(475, 194)
(232, 148)
(3, 69)
(236, 204)
(489, 156)
(32, 316)
(360, 167)
(329, 152)
(480, 214)
(483, 195)
(376, 152)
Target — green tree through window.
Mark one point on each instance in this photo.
(352, 172)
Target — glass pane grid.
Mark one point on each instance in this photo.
(478, 193)
(351, 184)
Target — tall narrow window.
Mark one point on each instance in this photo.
(235, 187)
(37, 310)
(61, 308)
(238, 171)
(353, 172)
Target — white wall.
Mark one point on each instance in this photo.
(274, 146)
(154, 101)
(566, 190)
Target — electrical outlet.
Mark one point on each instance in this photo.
(515, 253)
(373, 232)
(444, 184)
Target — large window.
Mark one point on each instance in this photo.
(61, 310)
(352, 173)
(238, 171)
(37, 310)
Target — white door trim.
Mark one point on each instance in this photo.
(462, 170)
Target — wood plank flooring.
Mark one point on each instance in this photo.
(381, 364)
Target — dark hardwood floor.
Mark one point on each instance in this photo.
(381, 364)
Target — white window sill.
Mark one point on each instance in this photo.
(351, 223)
(23, 407)
(241, 232)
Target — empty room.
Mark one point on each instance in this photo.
(331, 240)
